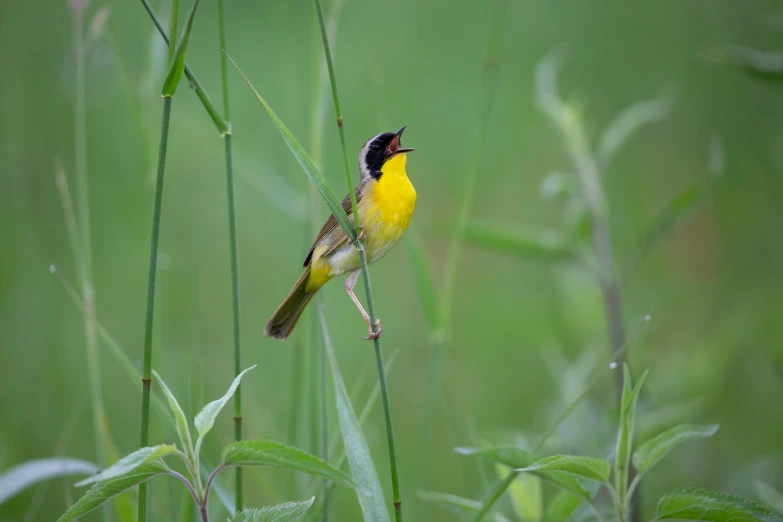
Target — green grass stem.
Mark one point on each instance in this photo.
(233, 246)
(365, 277)
(146, 376)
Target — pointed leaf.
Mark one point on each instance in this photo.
(769, 496)
(517, 458)
(523, 242)
(765, 65)
(562, 506)
(29, 473)
(585, 467)
(708, 506)
(206, 417)
(652, 451)
(130, 462)
(359, 458)
(627, 123)
(273, 454)
(180, 421)
(177, 65)
(107, 489)
(279, 513)
(459, 505)
(318, 180)
(625, 432)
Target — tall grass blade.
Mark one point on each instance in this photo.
(15, 480)
(359, 458)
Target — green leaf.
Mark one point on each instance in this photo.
(206, 417)
(130, 462)
(29, 473)
(627, 123)
(562, 506)
(273, 454)
(425, 284)
(708, 506)
(279, 513)
(517, 458)
(318, 180)
(177, 65)
(558, 186)
(769, 496)
(764, 65)
(585, 467)
(108, 489)
(180, 421)
(526, 494)
(523, 242)
(459, 505)
(652, 451)
(359, 457)
(625, 432)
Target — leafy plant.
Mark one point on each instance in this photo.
(146, 463)
(574, 474)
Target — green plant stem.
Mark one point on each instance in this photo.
(324, 429)
(217, 119)
(146, 376)
(365, 277)
(173, 26)
(233, 245)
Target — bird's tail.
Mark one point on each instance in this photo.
(287, 314)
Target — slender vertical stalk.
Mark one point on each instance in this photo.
(84, 257)
(365, 277)
(324, 429)
(146, 375)
(233, 245)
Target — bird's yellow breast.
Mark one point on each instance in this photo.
(388, 206)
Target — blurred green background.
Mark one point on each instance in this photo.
(526, 332)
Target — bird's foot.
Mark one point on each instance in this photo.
(361, 233)
(373, 334)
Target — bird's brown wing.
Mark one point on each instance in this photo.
(331, 224)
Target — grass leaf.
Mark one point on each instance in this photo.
(177, 66)
(359, 457)
(108, 489)
(708, 506)
(652, 451)
(274, 454)
(180, 420)
(130, 462)
(29, 473)
(459, 505)
(630, 120)
(318, 179)
(585, 467)
(523, 242)
(769, 496)
(206, 417)
(278, 513)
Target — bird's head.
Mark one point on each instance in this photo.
(378, 150)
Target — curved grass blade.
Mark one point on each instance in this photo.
(177, 66)
(318, 179)
(274, 454)
(358, 453)
(29, 473)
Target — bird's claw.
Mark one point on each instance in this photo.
(361, 233)
(371, 335)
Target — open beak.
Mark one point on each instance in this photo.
(395, 147)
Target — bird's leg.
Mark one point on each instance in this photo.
(350, 282)
(361, 235)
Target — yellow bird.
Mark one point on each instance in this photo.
(385, 200)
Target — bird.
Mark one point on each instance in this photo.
(386, 200)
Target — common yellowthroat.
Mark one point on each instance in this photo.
(385, 200)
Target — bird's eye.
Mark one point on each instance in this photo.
(375, 147)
